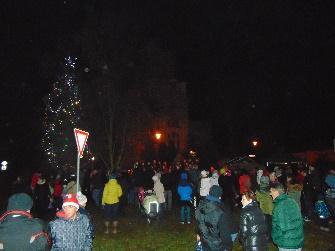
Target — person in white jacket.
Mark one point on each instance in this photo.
(205, 184)
(159, 192)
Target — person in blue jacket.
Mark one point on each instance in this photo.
(185, 194)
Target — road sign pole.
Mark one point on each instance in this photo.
(81, 138)
(78, 170)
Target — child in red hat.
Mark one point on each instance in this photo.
(71, 230)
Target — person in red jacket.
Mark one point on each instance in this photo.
(244, 182)
(34, 179)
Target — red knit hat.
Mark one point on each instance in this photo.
(70, 200)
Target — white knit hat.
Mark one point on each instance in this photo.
(82, 199)
(204, 173)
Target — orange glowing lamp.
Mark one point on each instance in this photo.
(255, 143)
(158, 135)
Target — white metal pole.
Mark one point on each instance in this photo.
(78, 168)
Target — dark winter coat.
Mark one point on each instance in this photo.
(167, 180)
(42, 198)
(229, 192)
(19, 231)
(253, 230)
(287, 223)
(97, 181)
(212, 225)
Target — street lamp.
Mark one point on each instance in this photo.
(158, 136)
(254, 143)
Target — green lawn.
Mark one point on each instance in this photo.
(136, 234)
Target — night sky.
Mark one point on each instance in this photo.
(265, 69)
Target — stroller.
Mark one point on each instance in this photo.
(148, 204)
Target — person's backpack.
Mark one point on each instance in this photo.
(321, 209)
(32, 236)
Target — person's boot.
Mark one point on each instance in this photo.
(115, 223)
(107, 227)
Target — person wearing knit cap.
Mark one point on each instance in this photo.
(82, 200)
(71, 230)
(18, 229)
(213, 224)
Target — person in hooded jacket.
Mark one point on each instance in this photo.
(214, 230)
(185, 194)
(110, 201)
(253, 230)
(19, 230)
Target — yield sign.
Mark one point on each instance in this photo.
(81, 138)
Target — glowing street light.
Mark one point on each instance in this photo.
(254, 143)
(158, 135)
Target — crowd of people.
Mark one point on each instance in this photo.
(273, 203)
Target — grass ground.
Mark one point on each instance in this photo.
(137, 235)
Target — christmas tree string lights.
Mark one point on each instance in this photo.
(62, 114)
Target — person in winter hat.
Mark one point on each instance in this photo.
(213, 223)
(82, 201)
(185, 195)
(159, 191)
(205, 184)
(71, 230)
(18, 229)
(111, 201)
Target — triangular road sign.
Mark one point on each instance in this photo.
(81, 138)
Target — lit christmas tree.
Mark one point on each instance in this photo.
(62, 115)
